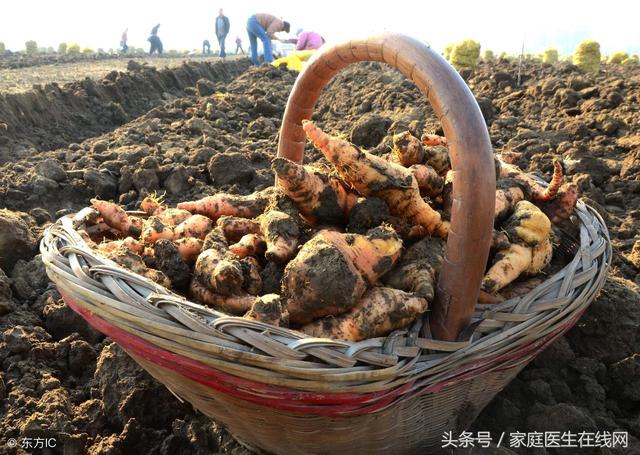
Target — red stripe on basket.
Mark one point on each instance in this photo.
(256, 392)
(330, 404)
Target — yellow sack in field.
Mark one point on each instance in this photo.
(295, 60)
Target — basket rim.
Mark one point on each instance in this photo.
(279, 357)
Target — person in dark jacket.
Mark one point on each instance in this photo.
(154, 39)
(156, 45)
(264, 26)
(222, 30)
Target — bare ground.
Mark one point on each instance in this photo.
(18, 80)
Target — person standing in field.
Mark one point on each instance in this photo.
(309, 40)
(154, 39)
(264, 26)
(123, 41)
(206, 47)
(222, 30)
(239, 45)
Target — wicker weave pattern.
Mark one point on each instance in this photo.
(382, 432)
(281, 391)
(278, 391)
(285, 358)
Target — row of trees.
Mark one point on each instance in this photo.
(587, 56)
(465, 54)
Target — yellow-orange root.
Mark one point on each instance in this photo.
(270, 310)
(130, 243)
(508, 193)
(417, 270)
(433, 140)
(371, 175)
(282, 233)
(539, 192)
(563, 206)
(438, 158)
(407, 150)
(317, 196)
(510, 263)
(173, 217)
(235, 228)
(531, 250)
(152, 205)
(233, 304)
(429, 182)
(197, 226)
(332, 270)
(516, 260)
(222, 204)
(528, 224)
(219, 273)
(378, 313)
(249, 245)
(115, 217)
(373, 254)
(189, 248)
(216, 268)
(154, 229)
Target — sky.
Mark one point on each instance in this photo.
(501, 26)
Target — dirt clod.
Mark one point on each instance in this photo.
(205, 87)
(369, 130)
(230, 168)
(367, 214)
(101, 184)
(16, 240)
(51, 169)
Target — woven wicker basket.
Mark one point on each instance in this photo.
(279, 391)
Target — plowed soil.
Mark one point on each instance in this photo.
(196, 130)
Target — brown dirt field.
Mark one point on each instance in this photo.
(58, 377)
(18, 80)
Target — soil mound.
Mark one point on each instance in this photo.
(52, 116)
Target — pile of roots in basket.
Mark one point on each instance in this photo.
(348, 251)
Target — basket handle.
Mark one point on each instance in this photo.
(469, 147)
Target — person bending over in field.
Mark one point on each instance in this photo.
(264, 26)
(309, 40)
